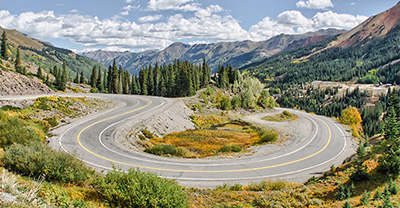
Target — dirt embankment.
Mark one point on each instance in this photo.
(174, 117)
(16, 84)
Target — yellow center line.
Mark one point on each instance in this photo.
(194, 171)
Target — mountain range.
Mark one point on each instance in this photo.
(237, 54)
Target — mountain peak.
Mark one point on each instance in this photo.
(375, 26)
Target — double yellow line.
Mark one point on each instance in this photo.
(192, 171)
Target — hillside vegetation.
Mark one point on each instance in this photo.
(35, 53)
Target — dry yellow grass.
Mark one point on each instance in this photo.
(208, 142)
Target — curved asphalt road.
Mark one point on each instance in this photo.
(91, 139)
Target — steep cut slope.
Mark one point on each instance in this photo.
(17, 84)
(236, 53)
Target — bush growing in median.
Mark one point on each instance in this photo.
(166, 149)
(138, 189)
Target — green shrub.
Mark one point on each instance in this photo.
(230, 148)
(37, 159)
(138, 189)
(52, 121)
(15, 130)
(235, 102)
(267, 136)
(166, 149)
(224, 103)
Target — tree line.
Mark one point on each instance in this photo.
(178, 79)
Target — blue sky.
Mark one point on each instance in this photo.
(138, 25)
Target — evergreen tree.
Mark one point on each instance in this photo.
(126, 82)
(93, 77)
(39, 73)
(109, 79)
(63, 81)
(114, 79)
(394, 102)
(150, 81)
(157, 77)
(105, 83)
(3, 52)
(206, 74)
(222, 78)
(134, 86)
(18, 66)
(392, 126)
(143, 81)
(121, 81)
(99, 82)
(76, 80)
(83, 79)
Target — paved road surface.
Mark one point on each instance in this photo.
(91, 139)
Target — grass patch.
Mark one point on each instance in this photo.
(284, 116)
(207, 121)
(232, 137)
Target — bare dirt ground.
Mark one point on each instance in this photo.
(173, 119)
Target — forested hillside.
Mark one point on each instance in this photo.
(35, 53)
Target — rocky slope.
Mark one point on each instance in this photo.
(16, 84)
(236, 53)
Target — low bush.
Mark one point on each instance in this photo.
(230, 148)
(267, 136)
(15, 130)
(37, 159)
(138, 189)
(166, 149)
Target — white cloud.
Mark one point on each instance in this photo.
(315, 4)
(150, 18)
(129, 1)
(184, 5)
(330, 19)
(212, 9)
(292, 18)
(74, 11)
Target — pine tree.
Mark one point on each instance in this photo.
(83, 79)
(99, 82)
(392, 126)
(394, 102)
(93, 77)
(39, 73)
(134, 86)
(76, 80)
(105, 83)
(109, 79)
(63, 79)
(3, 52)
(18, 66)
(114, 79)
(143, 81)
(150, 81)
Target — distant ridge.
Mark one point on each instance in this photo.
(238, 53)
